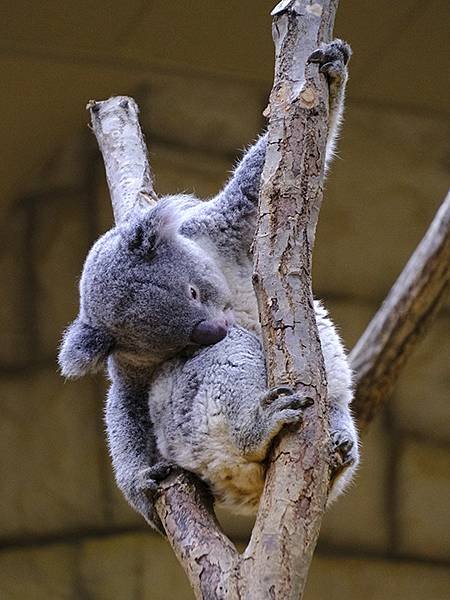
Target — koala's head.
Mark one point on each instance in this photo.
(145, 291)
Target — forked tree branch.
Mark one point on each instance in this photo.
(276, 561)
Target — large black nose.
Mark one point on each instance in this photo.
(209, 332)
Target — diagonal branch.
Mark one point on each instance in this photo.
(207, 555)
(402, 320)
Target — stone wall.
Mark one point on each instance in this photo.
(65, 531)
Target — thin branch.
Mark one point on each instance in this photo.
(277, 560)
(402, 320)
(115, 123)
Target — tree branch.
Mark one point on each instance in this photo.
(277, 560)
(115, 123)
(402, 320)
(209, 558)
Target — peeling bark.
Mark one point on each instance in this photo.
(209, 558)
(276, 562)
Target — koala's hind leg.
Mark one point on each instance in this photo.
(344, 438)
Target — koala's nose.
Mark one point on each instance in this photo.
(207, 333)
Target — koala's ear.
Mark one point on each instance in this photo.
(143, 234)
(84, 349)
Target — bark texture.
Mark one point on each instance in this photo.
(209, 558)
(277, 560)
(403, 318)
(115, 123)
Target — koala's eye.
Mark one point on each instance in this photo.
(193, 293)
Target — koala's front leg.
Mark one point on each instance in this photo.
(254, 431)
(333, 59)
(137, 465)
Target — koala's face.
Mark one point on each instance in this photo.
(153, 291)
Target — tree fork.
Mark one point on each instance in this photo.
(276, 562)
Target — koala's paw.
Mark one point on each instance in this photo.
(284, 406)
(345, 449)
(148, 479)
(140, 490)
(332, 58)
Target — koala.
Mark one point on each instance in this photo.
(166, 301)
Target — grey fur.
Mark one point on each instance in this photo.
(145, 288)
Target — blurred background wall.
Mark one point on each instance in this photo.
(201, 72)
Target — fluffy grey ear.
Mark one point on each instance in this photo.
(84, 349)
(143, 234)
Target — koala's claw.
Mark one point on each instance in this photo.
(150, 478)
(285, 392)
(345, 447)
(275, 393)
(332, 57)
(283, 406)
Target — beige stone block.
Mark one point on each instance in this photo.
(43, 573)
(421, 401)
(380, 197)
(14, 347)
(51, 468)
(358, 518)
(62, 242)
(236, 527)
(338, 578)
(122, 566)
(196, 114)
(424, 500)
(351, 317)
(163, 577)
(112, 567)
(192, 172)
(67, 167)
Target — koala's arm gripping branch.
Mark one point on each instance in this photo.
(402, 319)
(115, 123)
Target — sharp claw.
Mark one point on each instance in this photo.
(307, 402)
(276, 392)
(282, 390)
(316, 56)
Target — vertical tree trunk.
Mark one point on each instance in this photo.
(277, 559)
